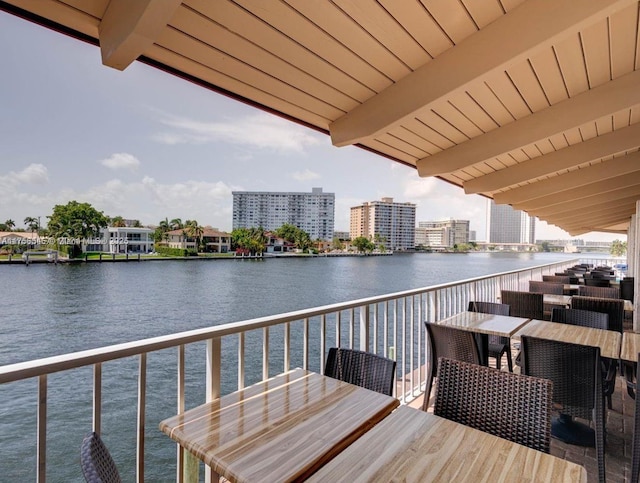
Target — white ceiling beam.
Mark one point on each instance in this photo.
(582, 177)
(591, 150)
(129, 28)
(595, 224)
(606, 99)
(591, 200)
(605, 211)
(586, 203)
(533, 25)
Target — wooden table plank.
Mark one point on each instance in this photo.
(414, 446)
(609, 341)
(489, 324)
(282, 429)
(630, 346)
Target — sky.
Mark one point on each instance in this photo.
(143, 144)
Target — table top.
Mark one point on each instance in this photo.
(609, 341)
(630, 346)
(414, 446)
(282, 429)
(491, 324)
(555, 299)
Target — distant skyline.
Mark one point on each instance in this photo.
(143, 144)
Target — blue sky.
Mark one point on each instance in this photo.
(146, 145)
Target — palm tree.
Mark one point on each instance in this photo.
(32, 223)
(195, 231)
(176, 224)
(117, 221)
(10, 224)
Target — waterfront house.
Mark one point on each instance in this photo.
(213, 240)
(126, 239)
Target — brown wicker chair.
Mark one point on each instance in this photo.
(96, 462)
(613, 307)
(511, 406)
(585, 318)
(496, 345)
(597, 282)
(445, 341)
(577, 384)
(602, 292)
(524, 304)
(536, 286)
(563, 279)
(361, 368)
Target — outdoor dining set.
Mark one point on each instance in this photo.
(346, 425)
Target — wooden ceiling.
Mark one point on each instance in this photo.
(533, 103)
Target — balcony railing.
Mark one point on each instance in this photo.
(391, 325)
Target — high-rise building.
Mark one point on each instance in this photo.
(392, 223)
(312, 212)
(444, 233)
(506, 225)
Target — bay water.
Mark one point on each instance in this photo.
(49, 309)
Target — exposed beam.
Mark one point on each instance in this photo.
(591, 150)
(591, 214)
(586, 203)
(589, 201)
(532, 26)
(605, 186)
(595, 224)
(606, 99)
(129, 28)
(574, 179)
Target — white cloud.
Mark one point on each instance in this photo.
(261, 130)
(32, 174)
(305, 175)
(121, 161)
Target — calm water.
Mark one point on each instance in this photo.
(49, 310)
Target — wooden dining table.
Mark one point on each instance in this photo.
(281, 429)
(484, 325)
(630, 346)
(414, 446)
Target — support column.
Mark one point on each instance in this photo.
(633, 260)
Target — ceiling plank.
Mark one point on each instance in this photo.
(592, 200)
(601, 101)
(588, 151)
(128, 29)
(539, 24)
(604, 186)
(595, 224)
(591, 214)
(587, 203)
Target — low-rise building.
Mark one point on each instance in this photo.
(213, 240)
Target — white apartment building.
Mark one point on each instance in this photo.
(506, 225)
(125, 239)
(391, 222)
(312, 212)
(442, 234)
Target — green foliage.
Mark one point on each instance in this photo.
(363, 244)
(337, 244)
(76, 220)
(252, 239)
(295, 235)
(618, 248)
(175, 252)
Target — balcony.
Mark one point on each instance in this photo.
(168, 374)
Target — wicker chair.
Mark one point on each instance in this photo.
(602, 292)
(524, 304)
(97, 464)
(635, 443)
(613, 307)
(577, 385)
(585, 318)
(361, 368)
(536, 286)
(510, 406)
(497, 345)
(445, 341)
(597, 282)
(627, 288)
(563, 279)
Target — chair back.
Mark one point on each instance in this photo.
(627, 288)
(489, 308)
(536, 286)
(363, 369)
(613, 307)
(575, 371)
(96, 461)
(584, 318)
(563, 279)
(602, 292)
(505, 404)
(635, 441)
(597, 282)
(524, 304)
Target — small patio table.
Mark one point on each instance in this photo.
(282, 429)
(485, 325)
(414, 446)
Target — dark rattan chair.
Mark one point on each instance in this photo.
(613, 307)
(361, 368)
(445, 341)
(536, 286)
(635, 442)
(563, 279)
(575, 371)
(602, 292)
(511, 406)
(585, 318)
(524, 304)
(97, 464)
(497, 345)
(597, 282)
(627, 288)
